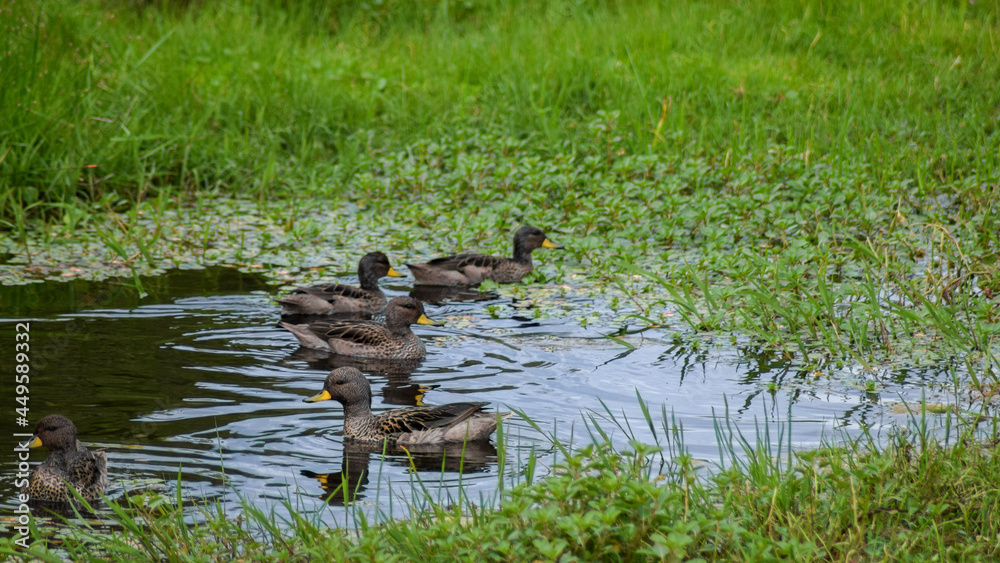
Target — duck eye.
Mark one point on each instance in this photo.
(52, 428)
(341, 382)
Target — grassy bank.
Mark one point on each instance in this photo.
(916, 498)
(114, 102)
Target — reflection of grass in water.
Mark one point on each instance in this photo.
(922, 491)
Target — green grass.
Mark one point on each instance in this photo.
(120, 101)
(923, 494)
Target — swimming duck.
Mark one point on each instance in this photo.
(68, 462)
(455, 422)
(368, 339)
(339, 298)
(470, 269)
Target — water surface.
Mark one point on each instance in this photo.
(196, 379)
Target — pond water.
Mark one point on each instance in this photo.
(196, 379)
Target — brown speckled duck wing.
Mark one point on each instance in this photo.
(332, 291)
(88, 472)
(475, 267)
(332, 299)
(465, 262)
(447, 262)
(476, 428)
(415, 419)
(365, 333)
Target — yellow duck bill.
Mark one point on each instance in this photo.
(425, 320)
(324, 396)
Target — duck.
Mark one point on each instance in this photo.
(336, 298)
(69, 463)
(424, 425)
(369, 339)
(471, 269)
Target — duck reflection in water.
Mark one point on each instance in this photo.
(349, 484)
(440, 294)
